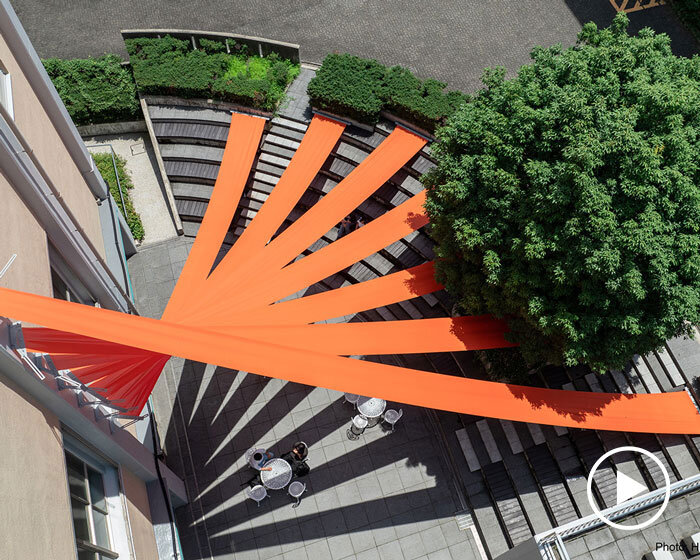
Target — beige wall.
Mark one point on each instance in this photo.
(139, 517)
(34, 506)
(35, 126)
(21, 234)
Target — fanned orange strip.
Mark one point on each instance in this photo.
(372, 173)
(655, 413)
(241, 146)
(392, 288)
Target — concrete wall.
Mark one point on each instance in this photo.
(34, 509)
(21, 234)
(36, 127)
(139, 517)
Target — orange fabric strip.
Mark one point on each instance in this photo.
(385, 337)
(318, 142)
(241, 146)
(372, 173)
(392, 288)
(656, 413)
(395, 224)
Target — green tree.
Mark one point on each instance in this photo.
(567, 199)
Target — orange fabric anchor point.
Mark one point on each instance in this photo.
(233, 317)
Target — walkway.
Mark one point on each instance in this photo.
(385, 496)
(451, 40)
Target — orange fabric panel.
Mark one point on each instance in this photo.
(318, 142)
(385, 290)
(395, 224)
(384, 337)
(656, 413)
(242, 144)
(377, 168)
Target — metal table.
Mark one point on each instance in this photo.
(279, 476)
(372, 409)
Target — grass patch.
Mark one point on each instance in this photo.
(106, 168)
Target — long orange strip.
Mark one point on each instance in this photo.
(241, 146)
(372, 173)
(392, 288)
(320, 138)
(659, 413)
(395, 224)
(384, 337)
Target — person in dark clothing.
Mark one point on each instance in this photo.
(297, 457)
(346, 226)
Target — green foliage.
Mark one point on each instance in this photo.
(169, 66)
(689, 12)
(104, 164)
(568, 200)
(95, 90)
(360, 88)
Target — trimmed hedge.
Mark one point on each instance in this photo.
(169, 66)
(360, 88)
(689, 13)
(104, 164)
(95, 90)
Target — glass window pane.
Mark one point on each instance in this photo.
(80, 520)
(97, 489)
(76, 477)
(101, 536)
(85, 555)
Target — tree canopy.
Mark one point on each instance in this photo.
(568, 198)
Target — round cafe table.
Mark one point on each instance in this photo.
(279, 476)
(372, 409)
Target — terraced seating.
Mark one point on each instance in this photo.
(519, 479)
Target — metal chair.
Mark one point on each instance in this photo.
(392, 416)
(351, 398)
(257, 493)
(357, 428)
(295, 490)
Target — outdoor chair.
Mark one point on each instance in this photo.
(359, 423)
(658, 555)
(295, 490)
(392, 416)
(351, 398)
(257, 493)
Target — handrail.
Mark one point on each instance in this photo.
(551, 542)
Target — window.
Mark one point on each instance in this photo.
(6, 92)
(89, 509)
(61, 289)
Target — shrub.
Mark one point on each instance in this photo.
(689, 12)
(361, 88)
(104, 164)
(169, 66)
(95, 90)
(349, 85)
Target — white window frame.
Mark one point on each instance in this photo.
(6, 92)
(117, 521)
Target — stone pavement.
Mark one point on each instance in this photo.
(451, 40)
(296, 105)
(386, 496)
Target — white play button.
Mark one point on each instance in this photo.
(628, 488)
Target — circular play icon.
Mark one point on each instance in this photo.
(628, 488)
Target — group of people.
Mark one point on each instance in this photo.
(296, 459)
(349, 224)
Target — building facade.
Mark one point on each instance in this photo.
(76, 481)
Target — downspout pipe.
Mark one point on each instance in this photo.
(14, 35)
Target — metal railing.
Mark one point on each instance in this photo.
(551, 543)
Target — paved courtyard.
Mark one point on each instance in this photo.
(386, 496)
(451, 40)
